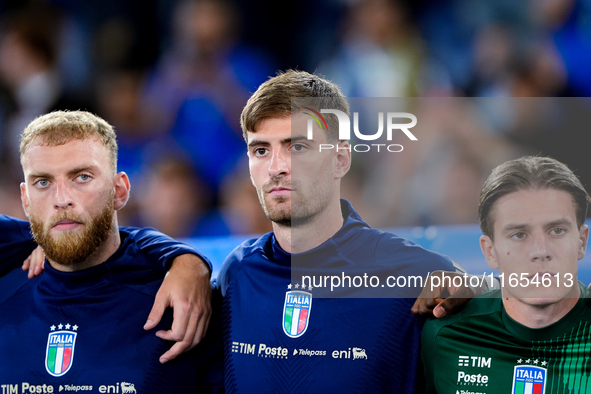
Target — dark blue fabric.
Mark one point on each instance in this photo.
(16, 243)
(367, 345)
(107, 305)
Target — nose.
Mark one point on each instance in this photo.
(63, 196)
(540, 251)
(280, 163)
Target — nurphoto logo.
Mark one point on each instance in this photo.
(391, 119)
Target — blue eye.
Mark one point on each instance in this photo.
(42, 183)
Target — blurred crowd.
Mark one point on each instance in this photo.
(172, 77)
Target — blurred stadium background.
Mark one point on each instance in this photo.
(173, 75)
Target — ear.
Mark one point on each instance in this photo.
(24, 199)
(122, 188)
(487, 246)
(583, 238)
(343, 159)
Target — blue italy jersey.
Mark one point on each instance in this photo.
(83, 331)
(280, 337)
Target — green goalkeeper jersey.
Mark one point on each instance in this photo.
(483, 350)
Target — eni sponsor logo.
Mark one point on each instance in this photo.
(355, 353)
(260, 350)
(119, 387)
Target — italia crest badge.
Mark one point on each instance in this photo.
(529, 379)
(60, 349)
(296, 313)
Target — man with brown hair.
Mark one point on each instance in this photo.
(529, 336)
(283, 333)
(84, 315)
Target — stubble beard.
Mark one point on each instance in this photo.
(290, 211)
(73, 247)
(280, 212)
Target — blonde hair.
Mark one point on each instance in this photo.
(60, 127)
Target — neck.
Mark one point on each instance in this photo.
(99, 256)
(541, 315)
(306, 236)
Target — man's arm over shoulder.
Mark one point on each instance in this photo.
(411, 258)
(186, 288)
(410, 264)
(16, 243)
(161, 249)
(13, 229)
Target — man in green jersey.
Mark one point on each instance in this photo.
(534, 334)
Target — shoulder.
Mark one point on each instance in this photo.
(159, 248)
(250, 249)
(477, 318)
(443, 340)
(392, 249)
(387, 248)
(479, 311)
(132, 265)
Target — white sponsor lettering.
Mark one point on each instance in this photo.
(71, 387)
(27, 388)
(262, 350)
(9, 388)
(474, 361)
(266, 351)
(298, 299)
(308, 352)
(63, 338)
(244, 348)
(529, 374)
(466, 378)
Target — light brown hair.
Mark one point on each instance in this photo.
(530, 173)
(273, 99)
